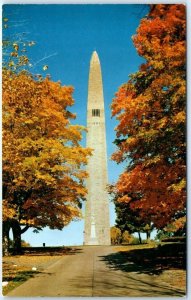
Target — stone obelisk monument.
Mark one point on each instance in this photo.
(97, 227)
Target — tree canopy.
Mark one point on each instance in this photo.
(150, 109)
(43, 161)
(42, 158)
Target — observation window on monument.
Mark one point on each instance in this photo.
(96, 112)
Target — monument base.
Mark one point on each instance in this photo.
(93, 242)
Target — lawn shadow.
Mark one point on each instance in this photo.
(57, 251)
(151, 261)
(21, 276)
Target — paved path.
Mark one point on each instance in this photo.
(87, 274)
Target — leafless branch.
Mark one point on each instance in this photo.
(45, 57)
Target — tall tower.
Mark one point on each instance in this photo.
(97, 227)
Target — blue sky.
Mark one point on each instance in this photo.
(67, 35)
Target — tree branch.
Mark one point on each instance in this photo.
(25, 229)
(45, 57)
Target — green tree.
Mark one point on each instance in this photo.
(130, 220)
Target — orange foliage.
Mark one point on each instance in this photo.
(150, 109)
(43, 175)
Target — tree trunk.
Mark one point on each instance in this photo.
(16, 237)
(17, 232)
(148, 236)
(6, 229)
(140, 240)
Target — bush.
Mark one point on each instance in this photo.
(116, 236)
(135, 241)
(127, 238)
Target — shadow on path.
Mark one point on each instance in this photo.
(141, 268)
(136, 286)
(148, 261)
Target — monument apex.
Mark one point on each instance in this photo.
(97, 227)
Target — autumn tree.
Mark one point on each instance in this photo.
(171, 229)
(42, 158)
(127, 238)
(43, 161)
(150, 109)
(116, 236)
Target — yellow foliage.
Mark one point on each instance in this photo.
(8, 210)
(42, 156)
(180, 117)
